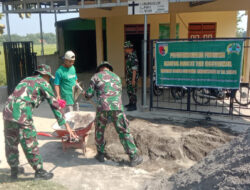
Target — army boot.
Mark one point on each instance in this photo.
(100, 156)
(132, 107)
(15, 171)
(128, 105)
(43, 174)
(135, 160)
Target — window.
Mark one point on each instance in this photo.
(164, 31)
(202, 30)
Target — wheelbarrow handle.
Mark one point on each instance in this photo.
(44, 134)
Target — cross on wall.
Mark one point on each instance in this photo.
(133, 5)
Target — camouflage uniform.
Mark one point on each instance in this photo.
(18, 121)
(109, 108)
(131, 64)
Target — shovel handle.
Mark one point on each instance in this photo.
(80, 88)
(90, 100)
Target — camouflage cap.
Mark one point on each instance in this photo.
(128, 44)
(44, 70)
(104, 64)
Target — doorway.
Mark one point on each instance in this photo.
(135, 34)
(79, 35)
(82, 42)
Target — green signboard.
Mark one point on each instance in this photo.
(206, 64)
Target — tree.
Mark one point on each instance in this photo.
(49, 38)
(240, 31)
(1, 25)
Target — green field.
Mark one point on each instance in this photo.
(2, 68)
(48, 49)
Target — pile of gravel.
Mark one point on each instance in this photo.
(226, 168)
(80, 120)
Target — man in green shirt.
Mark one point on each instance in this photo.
(65, 81)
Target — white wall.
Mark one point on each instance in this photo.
(52, 60)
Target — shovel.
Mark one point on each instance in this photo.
(82, 91)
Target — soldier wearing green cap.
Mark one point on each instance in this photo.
(108, 88)
(131, 75)
(18, 120)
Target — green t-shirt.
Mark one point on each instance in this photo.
(66, 79)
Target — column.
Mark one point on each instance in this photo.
(99, 40)
(172, 25)
(246, 68)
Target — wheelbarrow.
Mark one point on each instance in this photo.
(81, 122)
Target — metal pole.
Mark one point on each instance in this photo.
(8, 27)
(55, 17)
(151, 75)
(145, 62)
(67, 4)
(41, 33)
(8, 24)
(56, 31)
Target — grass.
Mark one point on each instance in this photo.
(48, 49)
(2, 67)
(26, 183)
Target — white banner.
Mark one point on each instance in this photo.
(136, 7)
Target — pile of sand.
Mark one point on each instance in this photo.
(164, 146)
(225, 168)
(76, 120)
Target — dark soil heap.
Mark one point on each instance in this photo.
(226, 168)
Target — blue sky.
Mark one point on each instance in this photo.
(243, 23)
(31, 25)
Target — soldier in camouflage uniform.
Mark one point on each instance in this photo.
(108, 89)
(132, 75)
(18, 121)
